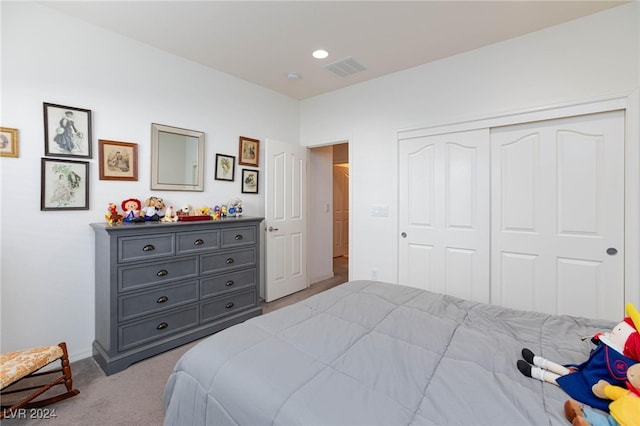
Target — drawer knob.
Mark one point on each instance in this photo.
(162, 272)
(229, 283)
(230, 305)
(239, 237)
(198, 242)
(162, 326)
(148, 247)
(229, 260)
(162, 299)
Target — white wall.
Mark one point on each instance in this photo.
(590, 57)
(47, 292)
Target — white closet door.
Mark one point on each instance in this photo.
(444, 214)
(557, 191)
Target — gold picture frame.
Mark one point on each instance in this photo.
(118, 160)
(8, 142)
(249, 152)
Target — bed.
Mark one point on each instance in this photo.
(372, 353)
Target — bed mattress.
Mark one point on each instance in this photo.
(371, 353)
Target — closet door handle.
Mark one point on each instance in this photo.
(612, 251)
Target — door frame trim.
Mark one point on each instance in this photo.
(630, 102)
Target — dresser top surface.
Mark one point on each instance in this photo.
(175, 226)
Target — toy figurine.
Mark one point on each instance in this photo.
(169, 215)
(113, 216)
(614, 354)
(236, 205)
(152, 208)
(131, 208)
(625, 408)
(216, 213)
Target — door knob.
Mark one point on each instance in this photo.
(403, 235)
(271, 229)
(611, 251)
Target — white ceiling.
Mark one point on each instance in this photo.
(263, 41)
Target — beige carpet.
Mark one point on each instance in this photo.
(134, 396)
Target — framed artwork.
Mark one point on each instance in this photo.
(249, 181)
(118, 160)
(225, 167)
(8, 142)
(65, 185)
(67, 131)
(249, 151)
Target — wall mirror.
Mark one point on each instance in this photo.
(177, 159)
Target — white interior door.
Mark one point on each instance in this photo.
(444, 214)
(558, 215)
(285, 219)
(340, 210)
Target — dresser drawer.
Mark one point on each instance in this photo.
(154, 273)
(214, 286)
(156, 300)
(189, 242)
(226, 305)
(240, 236)
(156, 327)
(132, 249)
(230, 259)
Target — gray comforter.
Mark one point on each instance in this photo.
(369, 353)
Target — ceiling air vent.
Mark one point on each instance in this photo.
(345, 67)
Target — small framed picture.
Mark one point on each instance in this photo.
(225, 167)
(65, 185)
(8, 142)
(249, 151)
(67, 131)
(249, 181)
(118, 160)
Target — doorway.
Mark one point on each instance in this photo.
(328, 213)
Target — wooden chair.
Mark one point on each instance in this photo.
(19, 376)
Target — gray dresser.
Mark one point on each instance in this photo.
(161, 285)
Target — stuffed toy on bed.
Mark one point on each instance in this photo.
(614, 354)
(625, 408)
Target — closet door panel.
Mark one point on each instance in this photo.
(444, 214)
(560, 198)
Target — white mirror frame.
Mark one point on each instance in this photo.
(165, 162)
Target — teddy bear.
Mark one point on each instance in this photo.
(624, 408)
(152, 208)
(614, 353)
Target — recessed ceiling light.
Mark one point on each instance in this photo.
(320, 54)
(292, 75)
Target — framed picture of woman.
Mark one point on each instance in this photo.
(67, 131)
(249, 151)
(118, 160)
(65, 185)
